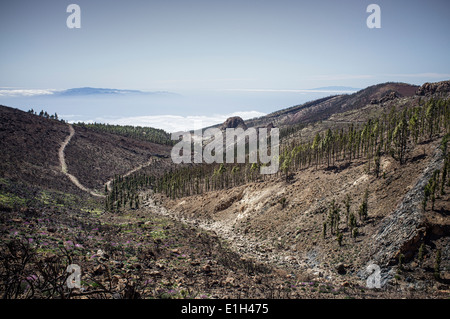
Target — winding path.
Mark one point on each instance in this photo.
(62, 162)
(108, 183)
(73, 179)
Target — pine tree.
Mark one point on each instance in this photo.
(429, 116)
(433, 187)
(400, 136)
(401, 257)
(327, 145)
(421, 253)
(413, 125)
(352, 222)
(444, 175)
(315, 147)
(136, 201)
(354, 232)
(437, 265)
(334, 217)
(363, 208)
(427, 192)
(347, 202)
(339, 237)
(377, 163)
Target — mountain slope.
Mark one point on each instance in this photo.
(96, 157)
(31, 144)
(323, 108)
(30, 147)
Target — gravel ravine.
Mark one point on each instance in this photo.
(249, 247)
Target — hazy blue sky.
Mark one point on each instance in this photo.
(222, 46)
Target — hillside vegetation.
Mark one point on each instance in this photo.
(391, 133)
(148, 134)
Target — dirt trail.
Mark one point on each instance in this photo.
(73, 179)
(108, 183)
(62, 162)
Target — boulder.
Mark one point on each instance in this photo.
(234, 122)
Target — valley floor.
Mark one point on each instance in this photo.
(142, 254)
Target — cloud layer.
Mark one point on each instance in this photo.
(176, 123)
(25, 92)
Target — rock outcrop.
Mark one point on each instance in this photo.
(404, 230)
(389, 96)
(234, 122)
(431, 88)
